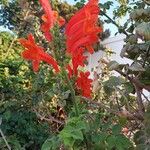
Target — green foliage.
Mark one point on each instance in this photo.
(20, 92)
(73, 132)
(52, 143)
(142, 137)
(143, 29)
(112, 83)
(22, 128)
(36, 109)
(64, 9)
(136, 29)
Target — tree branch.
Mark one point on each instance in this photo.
(112, 21)
(49, 119)
(4, 138)
(125, 113)
(133, 80)
(139, 101)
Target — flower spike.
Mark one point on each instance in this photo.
(49, 19)
(82, 29)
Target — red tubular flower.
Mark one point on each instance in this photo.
(70, 71)
(77, 60)
(82, 29)
(84, 84)
(49, 19)
(36, 54)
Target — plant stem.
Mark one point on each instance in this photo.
(3, 136)
(119, 27)
(72, 92)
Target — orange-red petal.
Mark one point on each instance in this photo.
(35, 65)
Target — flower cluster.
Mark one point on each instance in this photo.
(82, 29)
(36, 54)
(81, 33)
(77, 60)
(49, 19)
(83, 83)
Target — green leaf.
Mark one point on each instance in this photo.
(136, 67)
(81, 125)
(113, 81)
(66, 136)
(122, 142)
(111, 142)
(122, 121)
(47, 145)
(143, 29)
(77, 134)
(7, 115)
(65, 133)
(69, 141)
(14, 142)
(51, 143)
(101, 137)
(72, 131)
(116, 129)
(106, 5)
(113, 65)
(129, 88)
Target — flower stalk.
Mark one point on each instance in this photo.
(4, 138)
(72, 92)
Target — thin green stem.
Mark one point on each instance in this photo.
(75, 104)
(119, 27)
(3, 136)
(72, 92)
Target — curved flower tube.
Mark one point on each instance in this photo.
(36, 54)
